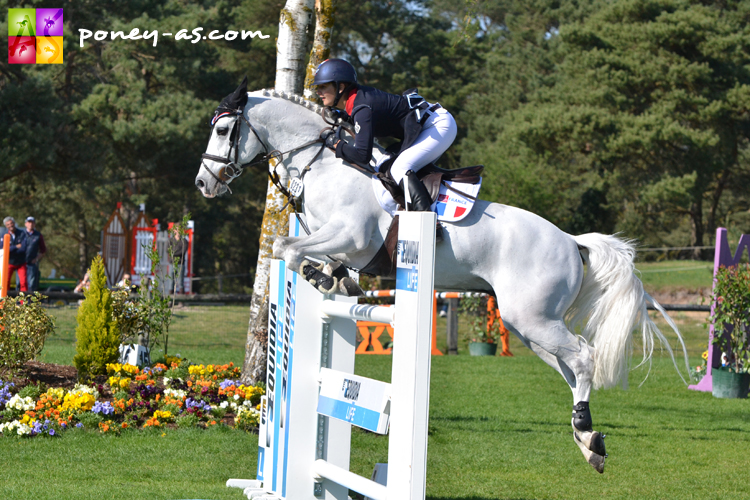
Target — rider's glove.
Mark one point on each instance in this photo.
(329, 137)
(336, 115)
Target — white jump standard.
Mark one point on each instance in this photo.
(313, 399)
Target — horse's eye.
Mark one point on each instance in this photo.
(222, 130)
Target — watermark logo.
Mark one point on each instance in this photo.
(35, 36)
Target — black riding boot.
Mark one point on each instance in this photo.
(418, 199)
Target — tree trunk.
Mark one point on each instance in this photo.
(275, 221)
(321, 49)
(291, 47)
(721, 183)
(83, 259)
(696, 227)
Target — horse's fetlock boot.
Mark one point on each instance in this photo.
(582, 417)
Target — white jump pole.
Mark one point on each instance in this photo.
(313, 399)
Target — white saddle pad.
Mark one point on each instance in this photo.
(449, 207)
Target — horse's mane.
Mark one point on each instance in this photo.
(295, 98)
(302, 101)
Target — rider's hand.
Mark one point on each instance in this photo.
(329, 137)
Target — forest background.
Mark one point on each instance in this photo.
(628, 116)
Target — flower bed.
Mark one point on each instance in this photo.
(178, 395)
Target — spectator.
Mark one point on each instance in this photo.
(125, 281)
(17, 254)
(178, 245)
(84, 284)
(35, 250)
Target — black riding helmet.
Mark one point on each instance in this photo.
(336, 71)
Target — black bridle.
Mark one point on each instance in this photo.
(233, 168)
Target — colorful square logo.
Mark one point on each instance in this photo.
(49, 50)
(49, 22)
(21, 22)
(22, 50)
(35, 36)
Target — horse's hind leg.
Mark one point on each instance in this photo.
(572, 357)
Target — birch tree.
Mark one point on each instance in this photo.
(291, 47)
(321, 49)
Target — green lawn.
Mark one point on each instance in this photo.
(674, 274)
(499, 429)
(203, 334)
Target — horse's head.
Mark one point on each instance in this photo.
(234, 141)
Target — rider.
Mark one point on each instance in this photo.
(425, 130)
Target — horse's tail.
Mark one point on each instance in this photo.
(611, 305)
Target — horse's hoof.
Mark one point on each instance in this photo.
(350, 288)
(593, 440)
(594, 459)
(327, 284)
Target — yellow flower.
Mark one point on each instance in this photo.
(124, 383)
(114, 367)
(705, 355)
(57, 392)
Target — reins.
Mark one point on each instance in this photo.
(234, 169)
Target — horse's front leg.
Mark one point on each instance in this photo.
(335, 237)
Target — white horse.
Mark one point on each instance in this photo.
(536, 270)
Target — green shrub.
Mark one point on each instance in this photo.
(24, 326)
(33, 391)
(475, 309)
(97, 334)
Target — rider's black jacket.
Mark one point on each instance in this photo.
(377, 114)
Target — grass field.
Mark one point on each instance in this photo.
(499, 429)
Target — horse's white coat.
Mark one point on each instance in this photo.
(535, 269)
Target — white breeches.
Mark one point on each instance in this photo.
(438, 133)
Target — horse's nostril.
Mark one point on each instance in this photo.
(199, 184)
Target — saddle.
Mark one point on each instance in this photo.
(384, 261)
(431, 176)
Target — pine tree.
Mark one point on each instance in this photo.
(97, 334)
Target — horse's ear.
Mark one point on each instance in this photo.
(239, 96)
(243, 86)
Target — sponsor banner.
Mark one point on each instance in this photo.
(358, 400)
(407, 265)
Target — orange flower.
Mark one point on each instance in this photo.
(48, 413)
(190, 383)
(158, 397)
(31, 414)
(124, 425)
(212, 422)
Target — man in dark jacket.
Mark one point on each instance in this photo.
(178, 245)
(17, 253)
(35, 250)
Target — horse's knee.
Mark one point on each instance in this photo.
(279, 247)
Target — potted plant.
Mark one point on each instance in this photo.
(730, 316)
(481, 341)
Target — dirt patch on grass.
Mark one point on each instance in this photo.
(700, 296)
(50, 374)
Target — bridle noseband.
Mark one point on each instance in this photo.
(233, 169)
